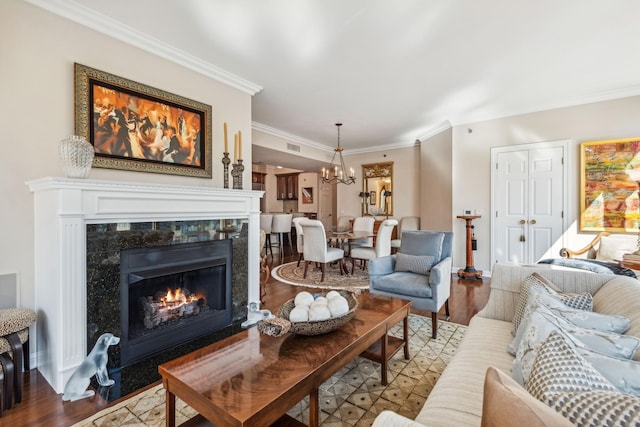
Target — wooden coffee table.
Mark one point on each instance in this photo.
(250, 379)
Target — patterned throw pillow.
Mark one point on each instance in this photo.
(420, 264)
(539, 325)
(579, 301)
(624, 374)
(583, 318)
(598, 408)
(559, 368)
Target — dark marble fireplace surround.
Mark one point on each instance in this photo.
(104, 243)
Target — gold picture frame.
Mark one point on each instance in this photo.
(136, 127)
(608, 196)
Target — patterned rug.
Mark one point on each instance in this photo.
(292, 275)
(351, 397)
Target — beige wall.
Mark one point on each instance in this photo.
(436, 181)
(406, 181)
(472, 160)
(37, 97)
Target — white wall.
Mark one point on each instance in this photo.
(37, 98)
(472, 160)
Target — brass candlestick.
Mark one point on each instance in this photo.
(236, 173)
(226, 161)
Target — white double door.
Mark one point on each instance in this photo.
(529, 194)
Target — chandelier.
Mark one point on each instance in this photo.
(338, 173)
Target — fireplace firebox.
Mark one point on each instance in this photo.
(173, 294)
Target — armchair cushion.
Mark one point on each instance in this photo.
(404, 283)
(423, 243)
(420, 264)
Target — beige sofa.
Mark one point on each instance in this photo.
(456, 399)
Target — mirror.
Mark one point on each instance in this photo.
(377, 189)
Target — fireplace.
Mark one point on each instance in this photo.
(172, 294)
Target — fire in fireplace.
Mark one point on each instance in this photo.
(172, 294)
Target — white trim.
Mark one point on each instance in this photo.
(79, 13)
(436, 130)
(290, 137)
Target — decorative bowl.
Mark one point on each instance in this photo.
(320, 327)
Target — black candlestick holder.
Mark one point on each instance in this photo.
(226, 161)
(236, 173)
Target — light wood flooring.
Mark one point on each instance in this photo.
(41, 406)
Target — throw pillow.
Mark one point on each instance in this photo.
(559, 368)
(505, 403)
(583, 318)
(420, 264)
(624, 374)
(598, 408)
(541, 322)
(580, 301)
(612, 248)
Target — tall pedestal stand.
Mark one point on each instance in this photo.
(469, 271)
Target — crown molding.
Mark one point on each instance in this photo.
(436, 130)
(290, 137)
(82, 15)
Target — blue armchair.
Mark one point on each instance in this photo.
(419, 272)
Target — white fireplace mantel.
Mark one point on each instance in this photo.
(62, 209)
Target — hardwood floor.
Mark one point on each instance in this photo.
(41, 406)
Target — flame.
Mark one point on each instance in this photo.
(178, 297)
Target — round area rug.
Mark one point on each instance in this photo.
(292, 275)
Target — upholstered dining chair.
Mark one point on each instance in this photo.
(407, 223)
(316, 248)
(282, 225)
(363, 223)
(419, 272)
(265, 224)
(381, 248)
(299, 238)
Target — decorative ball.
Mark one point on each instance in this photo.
(299, 314)
(320, 300)
(333, 294)
(338, 306)
(318, 312)
(303, 299)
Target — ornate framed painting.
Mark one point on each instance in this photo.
(136, 127)
(608, 190)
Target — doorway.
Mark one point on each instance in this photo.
(528, 201)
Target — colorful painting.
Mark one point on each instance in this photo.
(609, 192)
(136, 127)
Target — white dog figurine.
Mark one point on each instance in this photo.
(94, 364)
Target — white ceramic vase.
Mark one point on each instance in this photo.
(77, 155)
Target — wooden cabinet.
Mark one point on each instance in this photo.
(287, 186)
(257, 177)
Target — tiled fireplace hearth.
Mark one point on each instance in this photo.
(80, 227)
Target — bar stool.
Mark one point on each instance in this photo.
(265, 224)
(282, 225)
(14, 341)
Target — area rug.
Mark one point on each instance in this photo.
(351, 397)
(292, 275)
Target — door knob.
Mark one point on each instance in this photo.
(533, 221)
(522, 221)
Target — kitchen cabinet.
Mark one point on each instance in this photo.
(287, 186)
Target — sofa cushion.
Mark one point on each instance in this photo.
(581, 301)
(582, 318)
(506, 403)
(613, 248)
(404, 283)
(538, 325)
(559, 368)
(623, 374)
(420, 264)
(598, 408)
(620, 295)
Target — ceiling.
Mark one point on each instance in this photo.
(392, 72)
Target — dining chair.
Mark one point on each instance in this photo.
(381, 248)
(344, 223)
(299, 237)
(282, 225)
(407, 223)
(362, 223)
(316, 248)
(265, 224)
